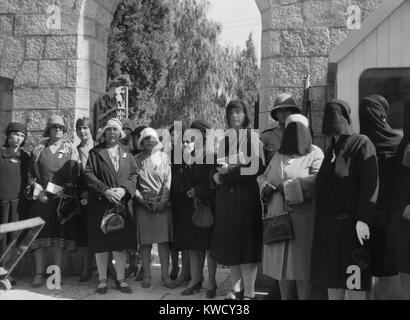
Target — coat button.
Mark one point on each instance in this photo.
(342, 217)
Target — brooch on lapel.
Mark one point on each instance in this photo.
(124, 155)
(61, 153)
(14, 160)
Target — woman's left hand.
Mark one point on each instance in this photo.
(191, 193)
(159, 206)
(120, 191)
(223, 168)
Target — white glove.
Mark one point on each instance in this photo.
(363, 232)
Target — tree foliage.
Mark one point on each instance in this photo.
(169, 53)
(140, 50)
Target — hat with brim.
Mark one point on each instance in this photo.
(284, 101)
(113, 123)
(54, 120)
(146, 133)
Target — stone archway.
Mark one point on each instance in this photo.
(54, 70)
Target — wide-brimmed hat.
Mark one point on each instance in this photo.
(113, 123)
(147, 132)
(52, 121)
(284, 101)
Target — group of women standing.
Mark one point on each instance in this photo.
(348, 207)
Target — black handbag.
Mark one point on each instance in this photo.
(202, 216)
(277, 229)
(113, 220)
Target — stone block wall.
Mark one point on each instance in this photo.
(59, 71)
(297, 37)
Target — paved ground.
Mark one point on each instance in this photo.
(72, 290)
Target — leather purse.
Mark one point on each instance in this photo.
(113, 220)
(278, 229)
(202, 216)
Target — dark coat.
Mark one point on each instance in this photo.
(398, 234)
(237, 235)
(13, 179)
(14, 168)
(346, 192)
(186, 235)
(101, 176)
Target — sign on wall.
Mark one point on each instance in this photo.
(113, 104)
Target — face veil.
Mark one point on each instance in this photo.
(336, 120)
(296, 140)
(373, 124)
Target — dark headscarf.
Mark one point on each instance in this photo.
(240, 104)
(15, 127)
(201, 125)
(373, 124)
(137, 131)
(336, 120)
(296, 140)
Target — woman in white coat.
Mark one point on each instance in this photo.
(288, 186)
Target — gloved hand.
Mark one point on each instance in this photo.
(363, 231)
(267, 192)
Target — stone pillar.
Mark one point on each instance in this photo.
(297, 37)
(56, 69)
(6, 104)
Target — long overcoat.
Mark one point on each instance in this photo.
(101, 176)
(198, 176)
(237, 235)
(346, 192)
